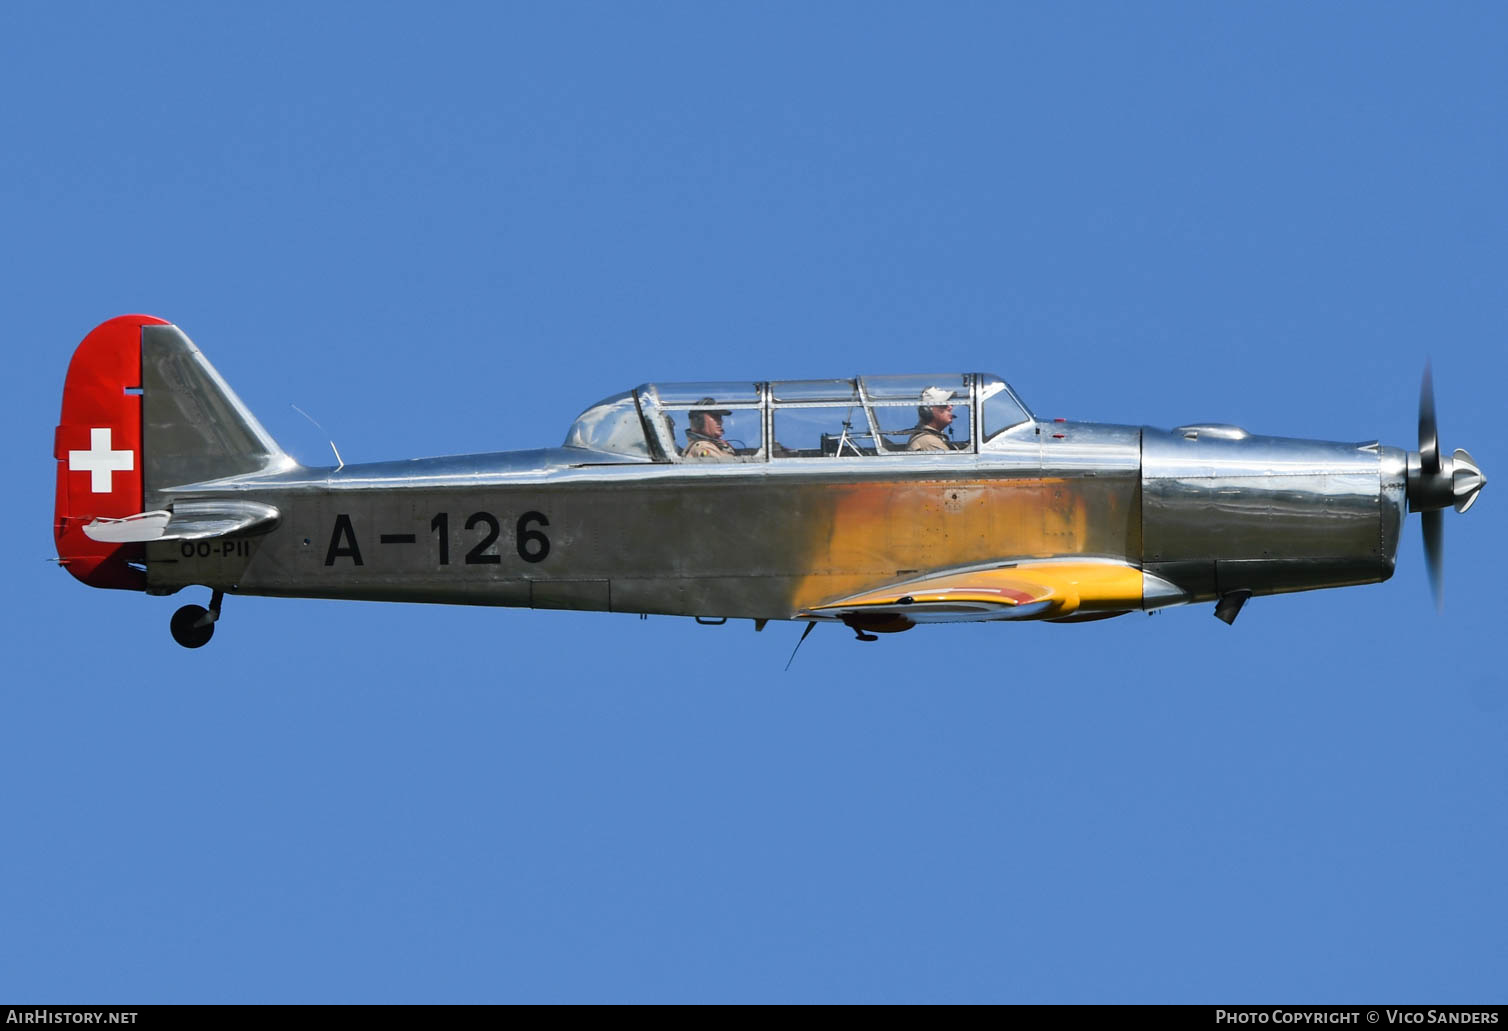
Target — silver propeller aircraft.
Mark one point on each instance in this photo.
(879, 502)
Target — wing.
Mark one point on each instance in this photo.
(1046, 589)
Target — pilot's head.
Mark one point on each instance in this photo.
(708, 421)
(935, 411)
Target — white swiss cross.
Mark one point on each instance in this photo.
(100, 461)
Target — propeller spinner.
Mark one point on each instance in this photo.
(1435, 483)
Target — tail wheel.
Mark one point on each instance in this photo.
(190, 626)
(193, 625)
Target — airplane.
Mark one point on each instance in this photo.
(876, 502)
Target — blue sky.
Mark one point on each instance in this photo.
(450, 231)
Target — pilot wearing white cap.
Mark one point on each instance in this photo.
(705, 435)
(934, 416)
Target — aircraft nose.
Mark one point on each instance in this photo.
(1466, 480)
(1435, 483)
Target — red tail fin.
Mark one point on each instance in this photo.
(98, 448)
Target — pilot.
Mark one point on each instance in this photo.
(934, 416)
(704, 436)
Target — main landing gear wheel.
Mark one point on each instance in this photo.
(193, 625)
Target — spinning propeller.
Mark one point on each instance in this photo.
(1435, 483)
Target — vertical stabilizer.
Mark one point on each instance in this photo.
(194, 427)
(143, 411)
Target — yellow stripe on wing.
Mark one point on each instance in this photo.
(1046, 589)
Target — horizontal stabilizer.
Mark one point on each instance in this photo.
(133, 529)
(187, 521)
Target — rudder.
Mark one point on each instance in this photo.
(97, 445)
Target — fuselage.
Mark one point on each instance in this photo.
(1207, 510)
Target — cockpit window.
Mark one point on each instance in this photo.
(809, 391)
(928, 414)
(911, 388)
(911, 428)
(673, 395)
(872, 416)
(908, 417)
(719, 434)
(706, 422)
(822, 431)
(612, 426)
(999, 408)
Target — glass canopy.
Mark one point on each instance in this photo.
(918, 417)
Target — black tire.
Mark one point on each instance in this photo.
(184, 628)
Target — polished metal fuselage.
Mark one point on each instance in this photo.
(1209, 510)
(1268, 514)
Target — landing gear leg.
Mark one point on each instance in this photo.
(1230, 604)
(193, 625)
